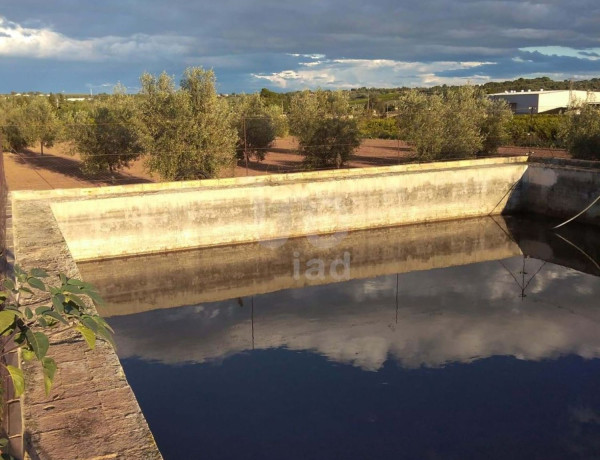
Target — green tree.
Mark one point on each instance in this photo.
(279, 120)
(459, 123)
(39, 123)
(463, 112)
(421, 123)
(107, 137)
(255, 127)
(187, 132)
(323, 123)
(581, 132)
(12, 118)
(331, 143)
(494, 125)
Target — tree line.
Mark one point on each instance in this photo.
(186, 130)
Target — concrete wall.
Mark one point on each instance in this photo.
(208, 213)
(561, 191)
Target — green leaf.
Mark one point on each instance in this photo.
(57, 316)
(19, 337)
(28, 355)
(73, 289)
(9, 284)
(38, 342)
(63, 278)
(75, 282)
(49, 367)
(77, 300)
(42, 310)
(96, 298)
(57, 301)
(25, 289)
(3, 443)
(88, 335)
(18, 380)
(14, 309)
(102, 332)
(39, 273)
(36, 283)
(42, 321)
(7, 319)
(89, 322)
(28, 313)
(103, 322)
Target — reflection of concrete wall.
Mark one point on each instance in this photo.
(132, 285)
(209, 213)
(561, 191)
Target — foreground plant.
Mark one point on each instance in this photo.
(30, 330)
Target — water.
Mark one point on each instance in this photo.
(459, 340)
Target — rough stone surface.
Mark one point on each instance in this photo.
(91, 412)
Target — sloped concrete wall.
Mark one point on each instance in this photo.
(208, 213)
(562, 190)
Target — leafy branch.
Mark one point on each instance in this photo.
(30, 330)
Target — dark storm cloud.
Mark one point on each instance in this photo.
(224, 34)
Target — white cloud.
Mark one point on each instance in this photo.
(349, 73)
(44, 43)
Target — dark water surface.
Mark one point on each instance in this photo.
(477, 339)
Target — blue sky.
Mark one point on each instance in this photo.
(80, 45)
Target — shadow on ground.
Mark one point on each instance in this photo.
(72, 168)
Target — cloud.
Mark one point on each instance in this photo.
(275, 43)
(456, 314)
(349, 73)
(44, 43)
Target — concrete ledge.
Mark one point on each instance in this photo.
(93, 192)
(91, 411)
(141, 219)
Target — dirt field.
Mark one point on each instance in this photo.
(29, 170)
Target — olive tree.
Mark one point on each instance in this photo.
(421, 123)
(187, 132)
(39, 123)
(581, 132)
(255, 126)
(107, 136)
(459, 123)
(323, 123)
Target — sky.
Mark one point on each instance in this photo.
(83, 45)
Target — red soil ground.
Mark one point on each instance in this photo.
(29, 170)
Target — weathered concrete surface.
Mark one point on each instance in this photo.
(91, 412)
(208, 213)
(562, 190)
(128, 285)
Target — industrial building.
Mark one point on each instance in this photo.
(554, 101)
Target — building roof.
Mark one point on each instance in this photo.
(542, 91)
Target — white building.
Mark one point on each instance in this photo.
(546, 101)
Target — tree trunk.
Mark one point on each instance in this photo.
(42, 147)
